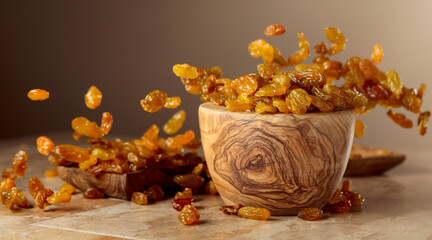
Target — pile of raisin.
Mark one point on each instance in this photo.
(310, 87)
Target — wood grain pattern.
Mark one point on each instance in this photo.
(368, 161)
(116, 185)
(283, 162)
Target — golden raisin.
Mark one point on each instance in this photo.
(172, 102)
(155, 192)
(93, 97)
(320, 48)
(393, 83)
(38, 94)
(400, 119)
(189, 180)
(189, 215)
(60, 197)
(186, 193)
(210, 188)
(85, 127)
(72, 153)
(44, 145)
(8, 173)
(245, 85)
(410, 100)
(254, 213)
(7, 184)
(377, 54)
(93, 193)
(41, 198)
(88, 163)
(298, 101)
(359, 129)
(273, 30)
(179, 203)
(271, 90)
(67, 188)
(181, 139)
(175, 123)
(139, 198)
(106, 122)
(35, 185)
(336, 38)
(51, 173)
(302, 53)
(311, 214)
(19, 163)
(231, 209)
(185, 71)
(154, 101)
(422, 122)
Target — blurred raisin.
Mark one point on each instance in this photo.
(311, 214)
(273, 30)
(139, 198)
(38, 94)
(400, 119)
(93, 97)
(19, 163)
(44, 145)
(93, 193)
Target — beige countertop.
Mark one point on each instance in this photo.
(398, 206)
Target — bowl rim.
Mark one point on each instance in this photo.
(222, 109)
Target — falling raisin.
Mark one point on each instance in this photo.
(273, 30)
(175, 123)
(400, 119)
(106, 122)
(359, 129)
(377, 54)
(422, 122)
(44, 145)
(19, 163)
(93, 97)
(154, 101)
(38, 94)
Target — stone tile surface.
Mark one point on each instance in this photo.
(398, 206)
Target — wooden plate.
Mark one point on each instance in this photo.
(366, 161)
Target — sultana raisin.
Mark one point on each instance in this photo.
(51, 173)
(422, 122)
(302, 53)
(93, 97)
(271, 89)
(308, 79)
(44, 145)
(154, 101)
(180, 203)
(337, 39)
(410, 100)
(189, 180)
(393, 83)
(298, 101)
(85, 127)
(88, 163)
(273, 30)
(185, 71)
(175, 123)
(210, 188)
(189, 215)
(186, 193)
(181, 139)
(245, 85)
(359, 129)
(60, 197)
(311, 214)
(368, 68)
(41, 198)
(254, 213)
(93, 193)
(35, 185)
(377, 54)
(172, 102)
(320, 48)
(7, 184)
(139, 198)
(322, 105)
(72, 153)
(38, 94)
(8, 173)
(106, 122)
(8, 197)
(155, 192)
(400, 119)
(67, 188)
(19, 163)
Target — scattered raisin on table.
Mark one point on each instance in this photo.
(41, 198)
(254, 213)
(38, 94)
(51, 173)
(155, 192)
(139, 198)
(189, 215)
(60, 197)
(311, 214)
(93, 193)
(231, 209)
(67, 188)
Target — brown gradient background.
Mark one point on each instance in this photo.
(127, 49)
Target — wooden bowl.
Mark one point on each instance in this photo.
(282, 162)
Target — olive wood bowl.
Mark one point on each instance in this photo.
(282, 162)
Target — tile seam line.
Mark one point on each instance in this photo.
(84, 231)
